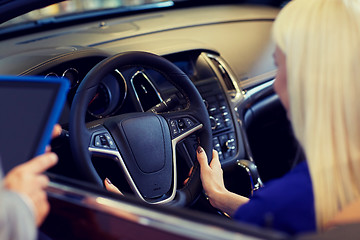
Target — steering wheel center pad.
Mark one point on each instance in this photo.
(148, 161)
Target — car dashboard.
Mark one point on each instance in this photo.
(225, 50)
(196, 41)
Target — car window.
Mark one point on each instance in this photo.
(78, 6)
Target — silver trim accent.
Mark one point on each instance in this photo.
(259, 79)
(120, 103)
(228, 146)
(248, 96)
(227, 69)
(213, 119)
(255, 90)
(184, 135)
(77, 81)
(125, 91)
(117, 157)
(254, 186)
(152, 85)
(51, 74)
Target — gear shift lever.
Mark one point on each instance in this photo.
(251, 169)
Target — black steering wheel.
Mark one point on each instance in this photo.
(143, 143)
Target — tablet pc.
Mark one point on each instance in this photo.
(29, 108)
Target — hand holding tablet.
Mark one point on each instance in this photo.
(31, 106)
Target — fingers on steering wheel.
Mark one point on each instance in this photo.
(201, 156)
(215, 162)
(189, 174)
(111, 187)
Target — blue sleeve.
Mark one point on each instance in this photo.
(285, 204)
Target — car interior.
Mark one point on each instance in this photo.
(148, 85)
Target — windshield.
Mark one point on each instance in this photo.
(79, 6)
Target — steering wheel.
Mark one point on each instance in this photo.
(143, 143)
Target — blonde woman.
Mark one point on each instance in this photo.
(318, 58)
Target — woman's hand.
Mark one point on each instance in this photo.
(211, 177)
(213, 183)
(111, 187)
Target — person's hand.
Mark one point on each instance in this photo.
(55, 133)
(213, 184)
(27, 179)
(211, 176)
(111, 187)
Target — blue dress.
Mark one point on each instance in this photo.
(285, 204)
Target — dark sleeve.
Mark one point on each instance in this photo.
(285, 204)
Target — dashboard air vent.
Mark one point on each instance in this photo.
(219, 64)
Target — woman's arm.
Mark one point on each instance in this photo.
(214, 187)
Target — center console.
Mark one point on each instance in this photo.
(202, 70)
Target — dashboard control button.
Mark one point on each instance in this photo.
(219, 122)
(104, 140)
(110, 141)
(213, 122)
(229, 145)
(174, 127)
(97, 141)
(227, 121)
(181, 124)
(188, 122)
(216, 144)
(212, 109)
(221, 157)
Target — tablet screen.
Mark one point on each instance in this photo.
(26, 110)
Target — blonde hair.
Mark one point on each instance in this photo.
(321, 42)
